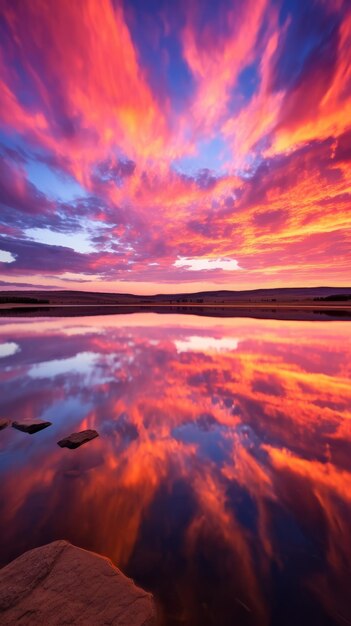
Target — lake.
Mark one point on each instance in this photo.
(221, 479)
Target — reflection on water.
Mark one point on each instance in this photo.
(221, 478)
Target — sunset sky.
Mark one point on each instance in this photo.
(159, 145)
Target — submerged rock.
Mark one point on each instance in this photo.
(30, 427)
(77, 439)
(4, 424)
(61, 584)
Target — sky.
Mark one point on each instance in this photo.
(166, 146)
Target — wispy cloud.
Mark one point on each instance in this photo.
(105, 128)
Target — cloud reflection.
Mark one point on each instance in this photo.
(221, 477)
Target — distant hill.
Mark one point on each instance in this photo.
(283, 295)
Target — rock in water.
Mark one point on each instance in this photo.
(31, 427)
(77, 439)
(61, 584)
(4, 424)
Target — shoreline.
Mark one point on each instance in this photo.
(279, 311)
(185, 305)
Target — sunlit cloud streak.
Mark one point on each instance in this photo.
(223, 132)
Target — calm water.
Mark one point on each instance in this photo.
(221, 478)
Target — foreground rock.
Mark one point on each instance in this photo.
(77, 439)
(31, 427)
(60, 584)
(4, 424)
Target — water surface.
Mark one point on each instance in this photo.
(221, 477)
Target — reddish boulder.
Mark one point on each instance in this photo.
(62, 584)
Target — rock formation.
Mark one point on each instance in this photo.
(77, 439)
(31, 427)
(60, 584)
